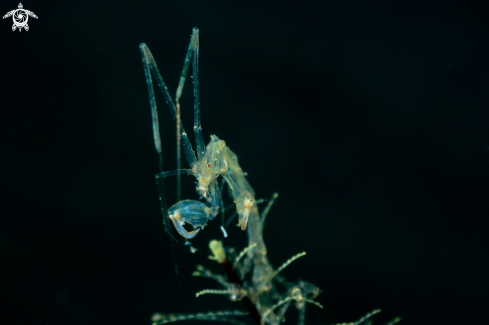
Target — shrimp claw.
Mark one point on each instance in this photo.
(192, 212)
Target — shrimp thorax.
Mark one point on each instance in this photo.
(207, 169)
(219, 160)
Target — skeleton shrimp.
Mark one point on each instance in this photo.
(211, 162)
(250, 277)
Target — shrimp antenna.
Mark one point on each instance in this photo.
(149, 65)
(199, 137)
(192, 51)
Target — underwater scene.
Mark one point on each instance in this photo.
(336, 171)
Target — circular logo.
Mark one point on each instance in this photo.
(20, 17)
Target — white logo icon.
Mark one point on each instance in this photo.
(20, 17)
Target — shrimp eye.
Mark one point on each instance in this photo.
(209, 166)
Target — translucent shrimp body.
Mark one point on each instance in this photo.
(211, 162)
(219, 160)
(249, 276)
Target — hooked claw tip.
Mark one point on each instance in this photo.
(180, 229)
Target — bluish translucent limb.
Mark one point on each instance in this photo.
(149, 64)
(199, 138)
(172, 173)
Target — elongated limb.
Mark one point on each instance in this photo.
(265, 211)
(199, 138)
(222, 316)
(193, 51)
(164, 206)
(221, 205)
(178, 118)
(149, 66)
(172, 173)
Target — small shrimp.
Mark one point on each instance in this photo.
(249, 277)
(211, 162)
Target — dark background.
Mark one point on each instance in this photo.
(370, 118)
